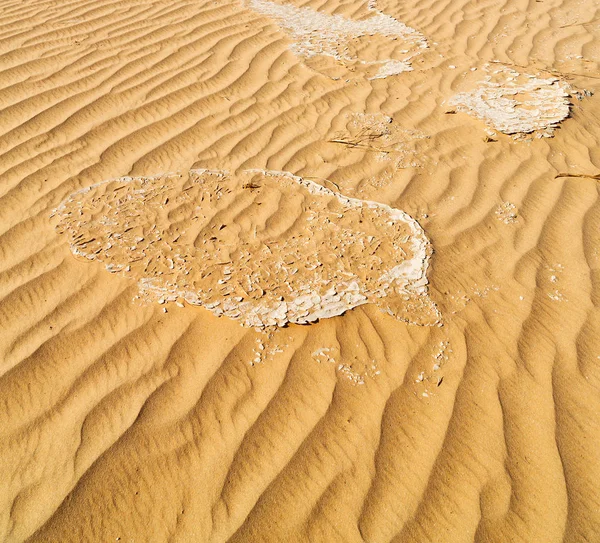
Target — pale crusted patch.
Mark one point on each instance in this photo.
(388, 146)
(516, 103)
(553, 275)
(356, 377)
(507, 213)
(264, 247)
(428, 381)
(317, 33)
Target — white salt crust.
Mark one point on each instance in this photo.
(515, 103)
(119, 228)
(317, 33)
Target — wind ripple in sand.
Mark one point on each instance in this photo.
(317, 33)
(265, 247)
(515, 103)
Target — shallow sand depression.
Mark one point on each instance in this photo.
(268, 248)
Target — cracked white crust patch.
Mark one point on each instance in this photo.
(268, 248)
(515, 103)
(316, 33)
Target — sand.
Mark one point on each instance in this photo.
(470, 417)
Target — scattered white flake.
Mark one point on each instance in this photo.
(442, 355)
(506, 212)
(482, 292)
(355, 378)
(262, 352)
(554, 273)
(323, 354)
(430, 380)
(359, 377)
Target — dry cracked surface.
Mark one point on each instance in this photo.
(268, 248)
(517, 103)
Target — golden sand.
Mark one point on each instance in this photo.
(126, 419)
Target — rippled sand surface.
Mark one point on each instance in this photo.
(461, 407)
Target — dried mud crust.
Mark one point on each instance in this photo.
(268, 248)
(517, 103)
(348, 41)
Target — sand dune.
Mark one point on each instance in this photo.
(128, 420)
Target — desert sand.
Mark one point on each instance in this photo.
(401, 344)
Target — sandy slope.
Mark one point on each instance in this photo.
(120, 422)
